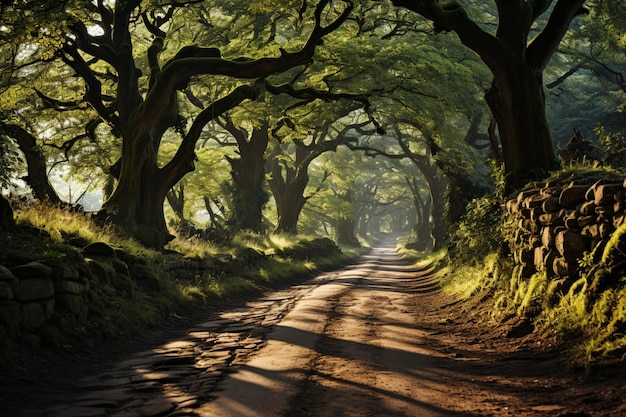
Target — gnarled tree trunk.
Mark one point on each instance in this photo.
(248, 174)
(142, 116)
(344, 226)
(287, 183)
(37, 177)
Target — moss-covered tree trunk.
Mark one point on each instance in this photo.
(421, 228)
(437, 184)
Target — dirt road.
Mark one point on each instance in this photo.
(375, 339)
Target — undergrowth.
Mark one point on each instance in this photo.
(587, 316)
(55, 235)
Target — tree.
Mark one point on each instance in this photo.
(587, 84)
(516, 96)
(37, 177)
(136, 92)
(248, 196)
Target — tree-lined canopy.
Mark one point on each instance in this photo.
(229, 109)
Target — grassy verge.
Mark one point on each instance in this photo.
(249, 263)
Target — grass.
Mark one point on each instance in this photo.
(120, 305)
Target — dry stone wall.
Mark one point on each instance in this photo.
(35, 297)
(554, 225)
(32, 293)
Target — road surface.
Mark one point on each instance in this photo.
(377, 338)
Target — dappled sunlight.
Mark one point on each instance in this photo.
(349, 343)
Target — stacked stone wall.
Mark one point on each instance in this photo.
(33, 295)
(553, 226)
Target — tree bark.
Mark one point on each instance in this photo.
(7, 221)
(136, 204)
(423, 238)
(516, 96)
(37, 177)
(344, 227)
(517, 102)
(288, 192)
(437, 185)
(288, 182)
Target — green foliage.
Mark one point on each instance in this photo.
(479, 232)
(9, 161)
(53, 235)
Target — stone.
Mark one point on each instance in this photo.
(66, 272)
(529, 226)
(539, 256)
(48, 308)
(69, 303)
(591, 192)
(524, 213)
(33, 316)
(536, 213)
(120, 266)
(512, 206)
(561, 267)
(101, 271)
(585, 221)
(34, 289)
(549, 219)
(6, 274)
(535, 241)
(548, 262)
(6, 293)
(551, 205)
(10, 317)
(84, 271)
(573, 196)
(70, 287)
(570, 244)
(145, 277)
(99, 249)
(605, 212)
(588, 208)
(606, 229)
(32, 270)
(591, 231)
(605, 193)
(547, 236)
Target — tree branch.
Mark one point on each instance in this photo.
(545, 44)
(182, 162)
(178, 71)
